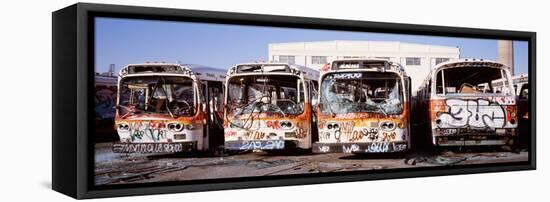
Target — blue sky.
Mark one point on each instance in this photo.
(124, 41)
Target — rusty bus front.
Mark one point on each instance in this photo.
(159, 109)
(363, 107)
(466, 107)
(268, 107)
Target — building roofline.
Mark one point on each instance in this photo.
(335, 41)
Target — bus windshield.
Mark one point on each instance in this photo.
(278, 94)
(172, 95)
(473, 80)
(374, 92)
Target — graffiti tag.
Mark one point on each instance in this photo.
(262, 145)
(474, 113)
(388, 136)
(255, 135)
(378, 147)
(350, 149)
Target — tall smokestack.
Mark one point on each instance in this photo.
(111, 69)
(506, 54)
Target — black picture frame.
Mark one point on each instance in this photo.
(72, 99)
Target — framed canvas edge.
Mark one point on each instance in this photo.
(84, 86)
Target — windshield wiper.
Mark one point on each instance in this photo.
(381, 109)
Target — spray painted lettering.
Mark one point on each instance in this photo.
(262, 145)
(376, 147)
(255, 135)
(324, 149)
(388, 136)
(350, 149)
(147, 131)
(273, 124)
(147, 148)
(478, 113)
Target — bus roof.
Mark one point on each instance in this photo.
(155, 68)
(266, 67)
(469, 62)
(207, 73)
(377, 64)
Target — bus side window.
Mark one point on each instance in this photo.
(301, 90)
(439, 83)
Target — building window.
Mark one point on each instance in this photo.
(290, 59)
(412, 61)
(440, 60)
(351, 57)
(318, 59)
(385, 58)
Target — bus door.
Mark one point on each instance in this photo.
(313, 95)
(214, 109)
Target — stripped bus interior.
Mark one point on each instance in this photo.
(469, 103)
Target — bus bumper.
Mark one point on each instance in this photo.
(361, 147)
(473, 140)
(154, 147)
(259, 144)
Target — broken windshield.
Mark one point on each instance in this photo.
(282, 94)
(172, 95)
(375, 92)
(472, 80)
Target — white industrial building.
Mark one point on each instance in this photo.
(417, 59)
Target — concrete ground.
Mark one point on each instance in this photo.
(116, 168)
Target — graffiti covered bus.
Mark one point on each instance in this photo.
(363, 107)
(268, 106)
(159, 109)
(105, 101)
(464, 107)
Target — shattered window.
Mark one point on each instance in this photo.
(473, 80)
(157, 94)
(266, 93)
(376, 92)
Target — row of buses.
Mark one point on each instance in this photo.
(351, 106)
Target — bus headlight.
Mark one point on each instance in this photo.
(175, 127)
(334, 126)
(123, 127)
(388, 125)
(286, 124)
